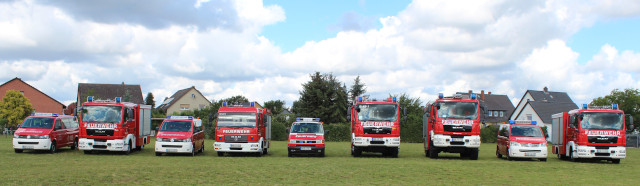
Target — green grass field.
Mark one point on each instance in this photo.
(411, 168)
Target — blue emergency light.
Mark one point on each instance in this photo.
(253, 104)
(360, 99)
(395, 99)
(298, 119)
(614, 106)
(89, 98)
(44, 114)
(224, 104)
(316, 119)
(473, 96)
(440, 95)
(512, 122)
(584, 106)
(118, 99)
(180, 117)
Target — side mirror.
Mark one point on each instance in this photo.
(437, 107)
(357, 109)
(326, 132)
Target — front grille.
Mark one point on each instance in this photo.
(377, 130)
(457, 143)
(100, 132)
(171, 140)
(458, 128)
(525, 150)
(236, 138)
(377, 142)
(603, 139)
(100, 140)
(100, 146)
(602, 154)
(27, 143)
(602, 147)
(172, 146)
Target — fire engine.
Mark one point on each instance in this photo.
(242, 128)
(46, 131)
(375, 126)
(590, 133)
(521, 139)
(452, 124)
(180, 134)
(306, 136)
(113, 125)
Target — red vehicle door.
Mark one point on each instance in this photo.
(58, 133)
(503, 139)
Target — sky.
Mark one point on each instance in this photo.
(266, 50)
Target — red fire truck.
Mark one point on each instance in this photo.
(306, 136)
(452, 124)
(113, 125)
(180, 134)
(375, 126)
(46, 131)
(242, 129)
(591, 132)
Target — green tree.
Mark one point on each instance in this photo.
(358, 88)
(276, 106)
(411, 128)
(127, 96)
(323, 97)
(627, 100)
(14, 107)
(149, 100)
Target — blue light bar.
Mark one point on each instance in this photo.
(224, 104)
(44, 114)
(512, 122)
(534, 122)
(614, 106)
(395, 99)
(89, 98)
(316, 119)
(360, 99)
(118, 99)
(253, 104)
(584, 106)
(298, 119)
(180, 117)
(440, 95)
(473, 96)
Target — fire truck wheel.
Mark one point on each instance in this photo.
(139, 148)
(75, 144)
(87, 152)
(357, 152)
(322, 153)
(498, 153)
(53, 147)
(473, 154)
(128, 149)
(289, 154)
(18, 150)
(220, 153)
(193, 152)
(433, 152)
(158, 154)
(543, 159)
(615, 161)
(508, 156)
(426, 153)
(394, 152)
(265, 151)
(571, 157)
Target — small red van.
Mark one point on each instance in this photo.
(46, 131)
(180, 134)
(521, 139)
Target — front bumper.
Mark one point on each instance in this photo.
(174, 147)
(31, 144)
(305, 150)
(447, 141)
(109, 145)
(376, 141)
(591, 152)
(237, 147)
(528, 152)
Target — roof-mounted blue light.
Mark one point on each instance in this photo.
(44, 114)
(512, 122)
(473, 96)
(534, 122)
(584, 106)
(180, 117)
(316, 119)
(298, 119)
(89, 98)
(360, 99)
(614, 106)
(253, 104)
(395, 99)
(118, 99)
(224, 104)
(440, 95)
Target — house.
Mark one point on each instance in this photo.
(40, 101)
(498, 107)
(129, 93)
(183, 100)
(540, 105)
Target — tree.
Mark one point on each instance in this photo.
(149, 100)
(410, 129)
(14, 107)
(275, 106)
(323, 97)
(627, 100)
(235, 100)
(127, 96)
(357, 89)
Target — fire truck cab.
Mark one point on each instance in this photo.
(306, 136)
(375, 126)
(180, 134)
(46, 131)
(243, 128)
(521, 139)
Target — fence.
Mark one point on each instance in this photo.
(633, 140)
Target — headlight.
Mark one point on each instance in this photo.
(542, 145)
(515, 144)
(159, 139)
(358, 139)
(16, 136)
(186, 140)
(292, 141)
(396, 139)
(44, 137)
(254, 145)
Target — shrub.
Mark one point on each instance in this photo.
(489, 134)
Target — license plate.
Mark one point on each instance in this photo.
(457, 139)
(99, 143)
(529, 154)
(236, 146)
(305, 148)
(27, 147)
(172, 150)
(376, 139)
(602, 150)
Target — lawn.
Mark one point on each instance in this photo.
(411, 168)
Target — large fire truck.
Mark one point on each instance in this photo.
(113, 125)
(375, 126)
(590, 133)
(452, 124)
(242, 128)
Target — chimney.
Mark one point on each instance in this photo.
(482, 94)
(545, 89)
(489, 93)
(470, 91)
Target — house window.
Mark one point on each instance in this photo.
(184, 106)
(201, 106)
(529, 117)
(501, 113)
(22, 92)
(490, 113)
(495, 113)
(193, 96)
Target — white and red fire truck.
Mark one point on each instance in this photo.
(242, 129)
(375, 126)
(306, 136)
(521, 139)
(452, 124)
(113, 125)
(46, 131)
(180, 134)
(590, 133)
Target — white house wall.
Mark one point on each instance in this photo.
(534, 117)
(521, 104)
(194, 103)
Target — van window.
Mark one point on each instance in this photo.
(58, 124)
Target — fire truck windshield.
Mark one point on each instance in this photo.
(526, 131)
(458, 110)
(176, 126)
(378, 112)
(307, 128)
(237, 119)
(37, 123)
(102, 114)
(602, 121)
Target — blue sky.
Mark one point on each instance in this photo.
(624, 34)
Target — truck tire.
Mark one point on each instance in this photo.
(53, 147)
(322, 153)
(158, 154)
(193, 151)
(220, 154)
(87, 151)
(394, 152)
(139, 148)
(433, 152)
(128, 149)
(75, 144)
(615, 161)
(357, 152)
(289, 154)
(265, 151)
(18, 150)
(509, 156)
(473, 154)
(571, 157)
(498, 153)
(543, 159)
